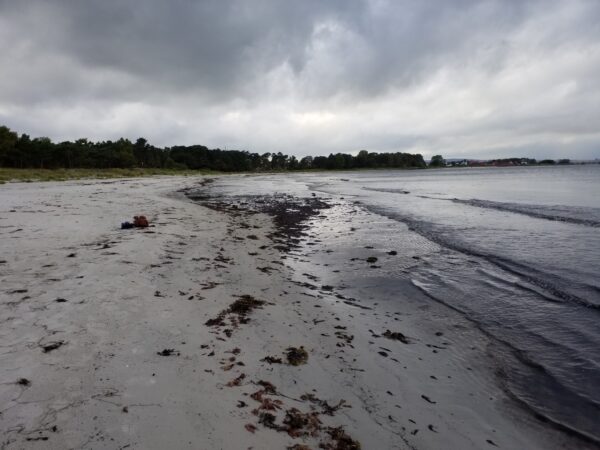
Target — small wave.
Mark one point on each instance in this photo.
(548, 282)
(572, 214)
(391, 191)
(567, 408)
(541, 280)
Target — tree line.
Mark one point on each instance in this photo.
(22, 151)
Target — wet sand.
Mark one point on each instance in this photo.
(228, 324)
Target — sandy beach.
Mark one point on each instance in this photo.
(215, 329)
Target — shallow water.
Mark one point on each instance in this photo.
(517, 250)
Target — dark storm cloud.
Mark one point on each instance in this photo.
(461, 77)
(215, 47)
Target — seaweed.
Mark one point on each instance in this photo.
(236, 381)
(268, 387)
(268, 420)
(296, 356)
(217, 321)
(340, 440)
(239, 310)
(396, 336)
(272, 360)
(52, 346)
(244, 305)
(168, 352)
(301, 424)
(23, 382)
(326, 407)
(267, 404)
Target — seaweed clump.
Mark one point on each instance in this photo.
(326, 407)
(244, 305)
(237, 312)
(396, 336)
(340, 440)
(299, 424)
(296, 356)
(52, 346)
(168, 352)
(272, 360)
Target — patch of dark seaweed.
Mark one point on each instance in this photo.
(239, 309)
(244, 305)
(24, 382)
(299, 447)
(296, 356)
(47, 348)
(168, 352)
(326, 407)
(289, 214)
(396, 336)
(272, 360)
(340, 440)
(299, 424)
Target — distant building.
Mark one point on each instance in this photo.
(457, 163)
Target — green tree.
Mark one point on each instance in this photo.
(8, 140)
(306, 162)
(41, 151)
(437, 161)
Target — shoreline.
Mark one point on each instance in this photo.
(14, 175)
(138, 366)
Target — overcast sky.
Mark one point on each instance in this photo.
(307, 77)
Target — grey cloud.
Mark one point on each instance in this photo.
(210, 46)
(215, 46)
(306, 77)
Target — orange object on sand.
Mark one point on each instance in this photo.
(140, 222)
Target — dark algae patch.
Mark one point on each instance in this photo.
(236, 381)
(298, 424)
(272, 414)
(236, 314)
(326, 408)
(244, 305)
(289, 214)
(168, 352)
(396, 336)
(47, 348)
(296, 356)
(272, 360)
(340, 440)
(23, 382)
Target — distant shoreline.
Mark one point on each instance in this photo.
(11, 175)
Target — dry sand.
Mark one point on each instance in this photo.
(86, 308)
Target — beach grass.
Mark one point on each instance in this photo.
(30, 175)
